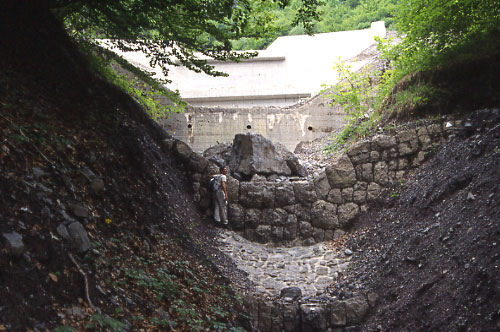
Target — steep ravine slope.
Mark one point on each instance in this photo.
(80, 164)
(430, 246)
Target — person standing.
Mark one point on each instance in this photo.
(220, 198)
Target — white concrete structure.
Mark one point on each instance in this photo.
(291, 68)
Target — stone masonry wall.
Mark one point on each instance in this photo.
(304, 211)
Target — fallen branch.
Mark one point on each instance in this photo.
(87, 294)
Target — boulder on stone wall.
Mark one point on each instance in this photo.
(434, 129)
(360, 186)
(355, 309)
(251, 194)
(341, 174)
(403, 164)
(267, 194)
(337, 317)
(303, 212)
(407, 135)
(233, 189)
(249, 234)
(220, 154)
(211, 170)
(291, 316)
(359, 196)
(408, 142)
(265, 317)
(256, 194)
(277, 317)
(291, 160)
(334, 196)
(390, 154)
(251, 307)
(267, 217)
(258, 178)
(304, 192)
(182, 149)
(290, 209)
(313, 317)
(329, 235)
(373, 191)
(393, 165)
(324, 215)
(255, 154)
(318, 235)
(425, 141)
(290, 228)
(321, 185)
(197, 162)
(290, 293)
(279, 217)
(347, 212)
(359, 152)
(380, 173)
(253, 218)
(277, 234)
(305, 229)
(364, 172)
(347, 194)
(236, 216)
(374, 156)
(383, 142)
(419, 159)
(263, 233)
(308, 242)
(285, 195)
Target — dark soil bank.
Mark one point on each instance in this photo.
(431, 245)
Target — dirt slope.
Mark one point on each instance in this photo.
(431, 246)
(75, 149)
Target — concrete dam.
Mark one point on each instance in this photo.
(275, 94)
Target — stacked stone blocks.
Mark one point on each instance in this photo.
(304, 211)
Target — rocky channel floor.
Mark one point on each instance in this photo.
(312, 269)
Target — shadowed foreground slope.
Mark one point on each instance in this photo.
(430, 246)
(75, 150)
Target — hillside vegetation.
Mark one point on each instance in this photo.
(333, 15)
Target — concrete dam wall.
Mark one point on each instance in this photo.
(203, 127)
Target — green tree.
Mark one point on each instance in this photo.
(436, 31)
(172, 32)
(332, 15)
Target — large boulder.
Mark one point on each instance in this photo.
(253, 154)
(291, 160)
(220, 154)
(341, 174)
(284, 195)
(324, 215)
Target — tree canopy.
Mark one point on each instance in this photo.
(332, 15)
(172, 32)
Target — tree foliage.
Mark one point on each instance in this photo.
(173, 32)
(434, 34)
(332, 15)
(436, 31)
